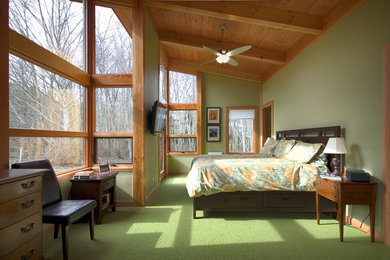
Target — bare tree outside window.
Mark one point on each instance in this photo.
(114, 46)
(241, 135)
(56, 25)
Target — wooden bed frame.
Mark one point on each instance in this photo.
(291, 201)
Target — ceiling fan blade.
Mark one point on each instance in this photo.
(207, 62)
(211, 50)
(232, 62)
(239, 50)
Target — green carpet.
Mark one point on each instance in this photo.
(165, 230)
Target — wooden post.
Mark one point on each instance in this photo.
(89, 50)
(386, 146)
(139, 103)
(4, 88)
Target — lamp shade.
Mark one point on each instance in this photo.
(335, 145)
(223, 58)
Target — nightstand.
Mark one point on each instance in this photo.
(345, 192)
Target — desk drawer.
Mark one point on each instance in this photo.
(19, 188)
(327, 189)
(19, 233)
(32, 250)
(108, 184)
(17, 209)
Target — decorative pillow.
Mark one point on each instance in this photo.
(283, 147)
(303, 152)
(269, 147)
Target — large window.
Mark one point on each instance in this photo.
(241, 125)
(183, 113)
(41, 100)
(56, 25)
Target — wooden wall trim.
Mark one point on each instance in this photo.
(138, 105)
(32, 52)
(263, 121)
(44, 133)
(4, 89)
(116, 80)
(199, 112)
(386, 146)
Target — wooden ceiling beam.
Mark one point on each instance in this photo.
(193, 68)
(248, 13)
(258, 54)
(115, 3)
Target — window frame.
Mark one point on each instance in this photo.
(255, 128)
(187, 107)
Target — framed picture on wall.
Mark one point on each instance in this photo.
(213, 115)
(213, 133)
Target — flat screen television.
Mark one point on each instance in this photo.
(159, 118)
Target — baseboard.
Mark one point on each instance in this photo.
(125, 203)
(177, 173)
(365, 228)
(151, 193)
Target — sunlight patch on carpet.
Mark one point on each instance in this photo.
(167, 229)
(232, 232)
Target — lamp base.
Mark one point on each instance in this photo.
(336, 164)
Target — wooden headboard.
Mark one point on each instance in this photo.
(310, 135)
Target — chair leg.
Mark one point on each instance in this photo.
(64, 231)
(91, 224)
(56, 230)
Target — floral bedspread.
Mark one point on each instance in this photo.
(227, 173)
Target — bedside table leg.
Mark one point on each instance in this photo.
(372, 221)
(341, 213)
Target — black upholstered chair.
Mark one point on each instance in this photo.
(55, 210)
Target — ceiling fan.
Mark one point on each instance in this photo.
(224, 55)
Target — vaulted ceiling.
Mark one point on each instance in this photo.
(277, 30)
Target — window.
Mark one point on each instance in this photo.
(162, 88)
(114, 125)
(114, 46)
(46, 116)
(241, 125)
(56, 25)
(183, 113)
(39, 99)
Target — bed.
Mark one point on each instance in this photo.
(262, 182)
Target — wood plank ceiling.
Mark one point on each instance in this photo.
(277, 30)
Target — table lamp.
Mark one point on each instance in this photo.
(335, 145)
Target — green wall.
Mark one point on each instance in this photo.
(151, 95)
(338, 81)
(218, 91)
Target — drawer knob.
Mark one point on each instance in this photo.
(27, 228)
(28, 255)
(28, 185)
(26, 205)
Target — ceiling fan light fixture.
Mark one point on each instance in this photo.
(223, 58)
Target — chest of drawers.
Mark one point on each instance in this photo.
(21, 214)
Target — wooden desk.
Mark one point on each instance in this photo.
(21, 213)
(100, 188)
(347, 193)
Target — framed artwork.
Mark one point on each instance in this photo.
(213, 115)
(213, 133)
